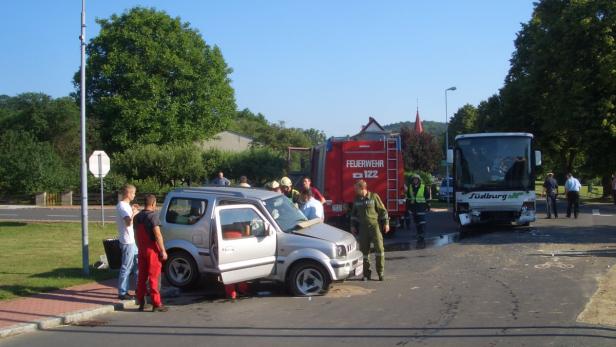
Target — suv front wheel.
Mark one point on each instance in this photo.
(181, 270)
(308, 278)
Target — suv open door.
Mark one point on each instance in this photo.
(245, 244)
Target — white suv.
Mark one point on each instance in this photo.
(243, 234)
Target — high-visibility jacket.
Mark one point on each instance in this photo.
(420, 198)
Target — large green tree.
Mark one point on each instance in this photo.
(562, 83)
(152, 79)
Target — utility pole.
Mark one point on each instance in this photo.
(85, 252)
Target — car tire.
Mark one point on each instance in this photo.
(181, 270)
(308, 278)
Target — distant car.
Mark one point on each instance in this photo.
(444, 190)
(244, 234)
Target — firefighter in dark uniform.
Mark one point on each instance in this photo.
(367, 216)
(417, 197)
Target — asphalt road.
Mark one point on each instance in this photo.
(495, 287)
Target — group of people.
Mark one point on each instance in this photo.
(572, 192)
(142, 247)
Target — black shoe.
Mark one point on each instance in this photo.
(548, 217)
(381, 278)
(141, 306)
(126, 297)
(366, 277)
(160, 308)
(421, 244)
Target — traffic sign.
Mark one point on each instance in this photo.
(99, 164)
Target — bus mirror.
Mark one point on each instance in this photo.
(537, 158)
(450, 156)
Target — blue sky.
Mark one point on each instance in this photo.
(323, 64)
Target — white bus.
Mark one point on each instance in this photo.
(494, 178)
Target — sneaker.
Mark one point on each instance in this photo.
(160, 308)
(126, 297)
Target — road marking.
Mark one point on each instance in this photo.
(62, 215)
(8, 214)
(596, 212)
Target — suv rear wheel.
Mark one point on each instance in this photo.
(308, 278)
(181, 270)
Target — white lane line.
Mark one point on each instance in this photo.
(62, 215)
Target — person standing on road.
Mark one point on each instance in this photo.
(367, 216)
(286, 186)
(572, 189)
(310, 207)
(550, 189)
(614, 187)
(221, 180)
(151, 254)
(244, 182)
(124, 221)
(417, 205)
(307, 184)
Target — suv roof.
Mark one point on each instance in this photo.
(240, 192)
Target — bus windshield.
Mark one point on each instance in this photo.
(493, 163)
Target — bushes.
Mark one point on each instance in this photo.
(158, 168)
(30, 166)
(258, 164)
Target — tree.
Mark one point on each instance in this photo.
(151, 79)
(274, 136)
(54, 121)
(315, 136)
(30, 166)
(463, 121)
(562, 83)
(421, 151)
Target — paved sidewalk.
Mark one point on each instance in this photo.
(59, 307)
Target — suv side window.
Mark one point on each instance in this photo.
(240, 223)
(185, 211)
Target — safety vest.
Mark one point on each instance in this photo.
(420, 198)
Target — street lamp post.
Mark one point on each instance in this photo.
(447, 142)
(85, 253)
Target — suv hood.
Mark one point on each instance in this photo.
(325, 232)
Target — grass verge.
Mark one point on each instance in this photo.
(40, 257)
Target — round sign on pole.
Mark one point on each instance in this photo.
(99, 164)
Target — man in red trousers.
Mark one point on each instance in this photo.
(151, 254)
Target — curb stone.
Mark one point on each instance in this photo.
(65, 319)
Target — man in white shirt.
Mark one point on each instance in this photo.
(124, 221)
(572, 189)
(311, 207)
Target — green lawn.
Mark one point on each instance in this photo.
(585, 195)
(39, 257)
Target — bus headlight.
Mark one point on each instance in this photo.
(463, 207)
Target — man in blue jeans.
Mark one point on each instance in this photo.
(124, 221)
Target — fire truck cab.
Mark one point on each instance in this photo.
(374, 155)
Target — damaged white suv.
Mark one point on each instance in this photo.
(244, 234)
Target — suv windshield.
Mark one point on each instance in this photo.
(284, 212)
(493, 163)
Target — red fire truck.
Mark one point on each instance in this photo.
(374, 155)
